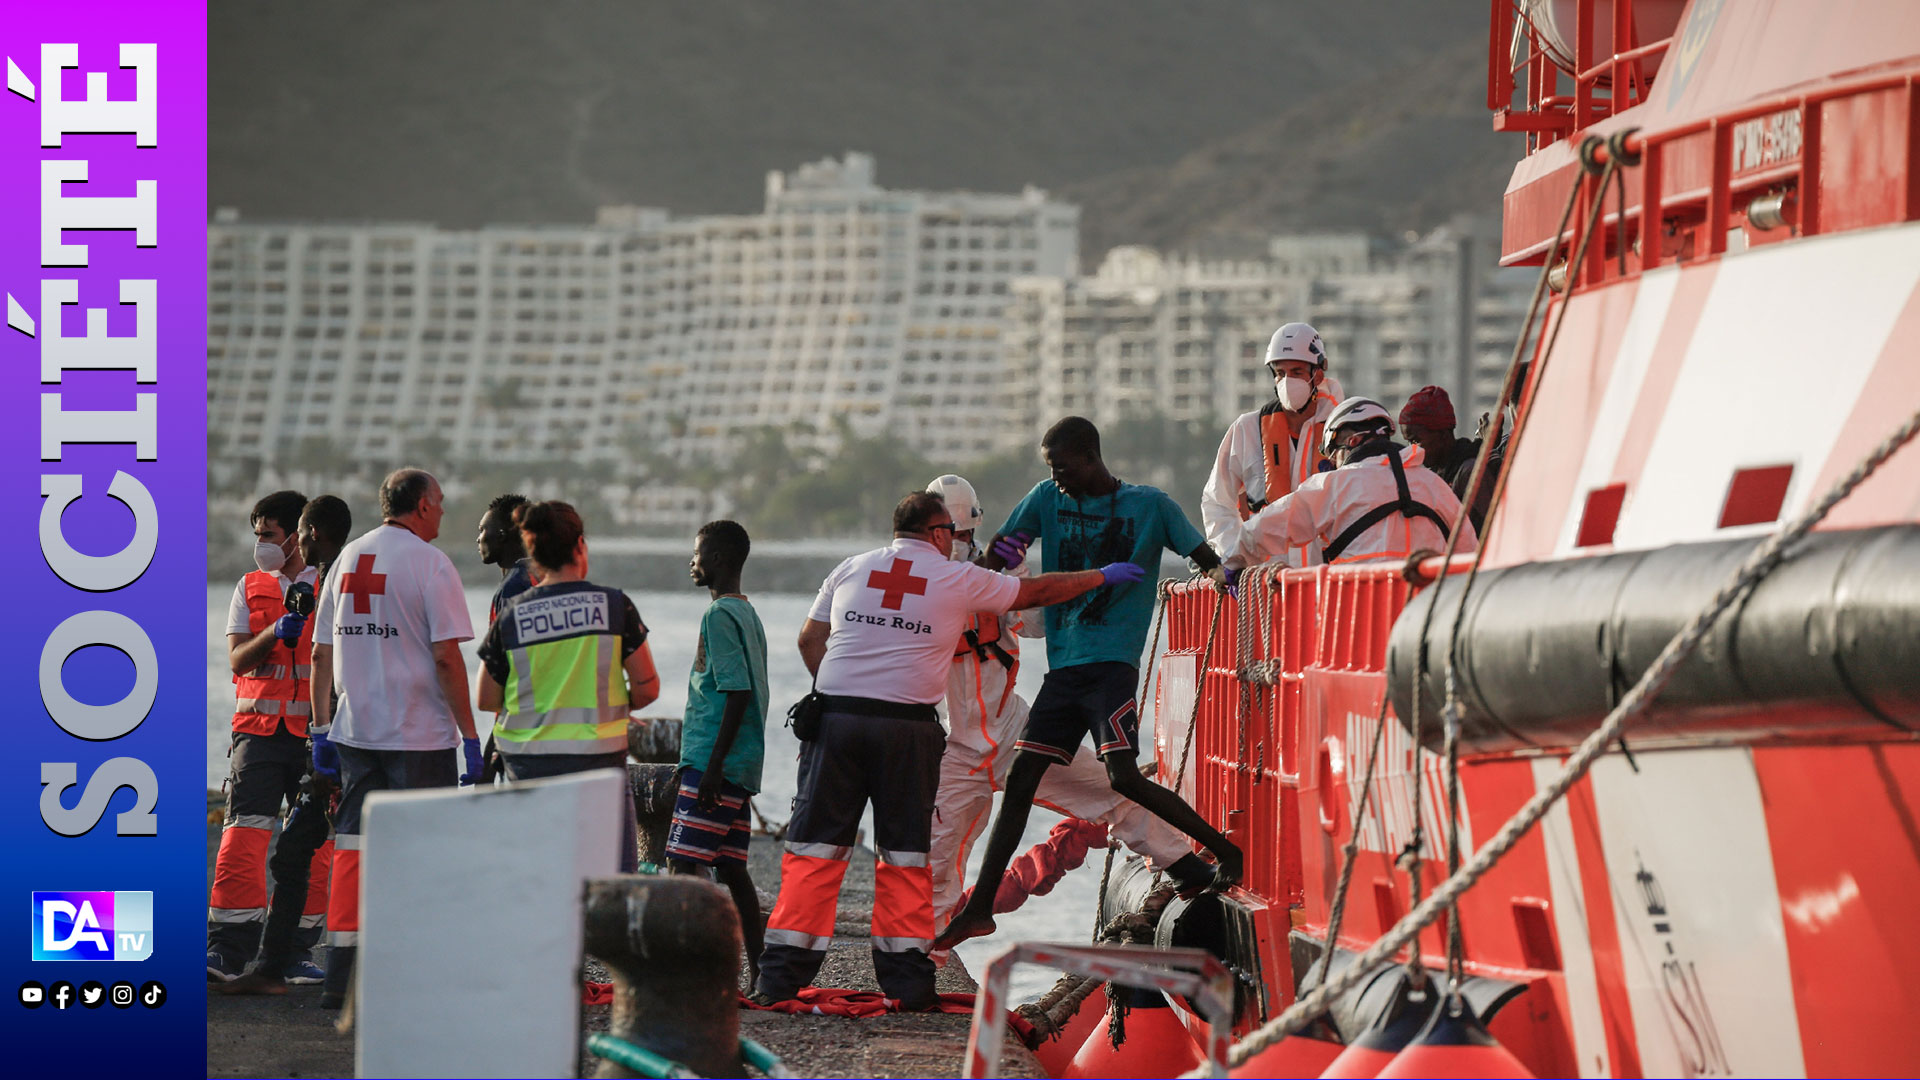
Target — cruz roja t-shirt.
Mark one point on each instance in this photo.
(895, 614)
(388, 599)
(1133, 524)
(732, 655)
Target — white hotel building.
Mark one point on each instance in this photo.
(955, 320)
(639, 333)
(1186, 338)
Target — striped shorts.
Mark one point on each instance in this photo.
(709, 838)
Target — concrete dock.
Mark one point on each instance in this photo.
(292, 1036)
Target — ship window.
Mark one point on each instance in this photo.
(1755, 495)
(1602, 513)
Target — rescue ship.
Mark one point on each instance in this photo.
(1722, 201)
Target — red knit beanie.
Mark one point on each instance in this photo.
(1429, 407)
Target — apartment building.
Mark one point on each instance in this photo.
(637, 335)
(1185, 338)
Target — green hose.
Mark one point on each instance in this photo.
(647, 1063)
(761, 1058)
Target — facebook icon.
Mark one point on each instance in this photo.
(92, 925)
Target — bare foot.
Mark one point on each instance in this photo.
(967, 924)
(255, 983)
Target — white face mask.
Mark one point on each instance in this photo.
(1294, 392)
(269, 557)
(962, 551)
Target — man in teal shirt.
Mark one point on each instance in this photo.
(722, 738)
(1085, 518)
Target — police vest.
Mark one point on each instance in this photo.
(566, 688)
(277, 690)
(1276, 454)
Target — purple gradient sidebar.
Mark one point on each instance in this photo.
(80, 682)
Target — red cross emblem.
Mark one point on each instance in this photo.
(896, 583)
(363, 585)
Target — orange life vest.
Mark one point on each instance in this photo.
(1276, 453)
(277, 690)
(982, 630)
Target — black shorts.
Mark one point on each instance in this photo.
(1085, 697)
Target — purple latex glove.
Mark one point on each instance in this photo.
(289, 626)
(1012, 548)
(470, 749)
(1122, 573)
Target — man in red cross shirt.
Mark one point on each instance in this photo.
(391, 618)
(879, 640)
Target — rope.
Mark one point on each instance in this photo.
(1450, 709)
(1338, 913)
(1199, 682)
(1106, 875)
(1049, 1015)
(1762, 562)
(1509, 389)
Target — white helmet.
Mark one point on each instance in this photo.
(1297, 341)
(1355, 412)
(961, 502)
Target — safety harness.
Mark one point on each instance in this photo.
(988, 650)
(1404, 505)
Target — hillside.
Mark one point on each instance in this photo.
(1174, 123)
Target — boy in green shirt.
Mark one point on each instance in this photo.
(722, 736)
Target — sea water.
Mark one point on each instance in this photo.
(673, 624)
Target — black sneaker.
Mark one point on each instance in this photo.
(222, 968)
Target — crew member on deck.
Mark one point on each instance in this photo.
(1380, 503)
(1271, 451)
(879, 640)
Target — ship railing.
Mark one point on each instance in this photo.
(1518, 60)
(1244, 761)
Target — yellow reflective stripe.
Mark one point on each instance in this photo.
(563, 697)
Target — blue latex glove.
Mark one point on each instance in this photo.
(1012, 548)
(1122, 573)
(289, 626)
(471, 748)
(1233, 577)
(326, 760)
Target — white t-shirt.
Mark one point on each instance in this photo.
(895, 614)
(390, 597)
(237, 621)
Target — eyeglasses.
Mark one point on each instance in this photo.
(949, 526)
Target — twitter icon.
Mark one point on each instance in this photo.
(92, 994)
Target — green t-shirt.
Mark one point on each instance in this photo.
(1133, 524)
(732, 655)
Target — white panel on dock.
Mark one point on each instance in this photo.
(470, 925)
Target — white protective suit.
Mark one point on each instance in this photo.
(1239, 477)
(984, 719)
(1320, 509)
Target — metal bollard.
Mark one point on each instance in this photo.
(673, 946)
(654, 788)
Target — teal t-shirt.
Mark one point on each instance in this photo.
(1134, 524)
(732, 655)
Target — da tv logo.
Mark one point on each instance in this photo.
(92, 925)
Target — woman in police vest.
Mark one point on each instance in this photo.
(565, 662)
